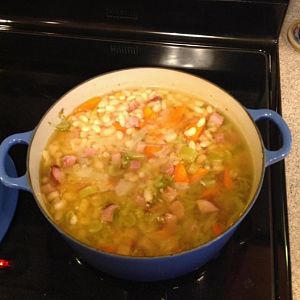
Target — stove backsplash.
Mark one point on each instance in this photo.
(236, 19)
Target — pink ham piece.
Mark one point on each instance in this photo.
(48, 188)
(167, 169)
(170, 194)
(219, 137)
(215, 119)
(170, 219)
(205, 206)
(57, 174)
(140, 201)
(140, 147)
(155, 98)
(107, 214)
(68, 160)
(116, 158)
(89, 152)
(133, 121)
(177, 209)
(133, 105)
(135, 165)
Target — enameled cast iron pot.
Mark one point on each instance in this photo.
(154, 268)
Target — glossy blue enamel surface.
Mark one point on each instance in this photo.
(8, 200)
(14, 182)
(271, 157)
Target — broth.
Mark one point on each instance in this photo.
(145, 172)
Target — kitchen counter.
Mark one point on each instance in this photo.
(290, 94)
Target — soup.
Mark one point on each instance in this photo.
(145, 172)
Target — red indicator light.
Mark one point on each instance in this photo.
(4, 263)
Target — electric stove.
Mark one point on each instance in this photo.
(45, 53)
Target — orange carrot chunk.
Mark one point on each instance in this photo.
(217, 229)
(88, 105)
(150, 150)
(180, 174)
(176, 114)
(227, 180)
(210, 192)
(119, 127)
(148, 113)
(198, 175)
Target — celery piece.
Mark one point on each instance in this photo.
(95, 226)
(129, 220)
(64, 125)
(187, 154)
(87, 191)
(114, 171)
(163, 181)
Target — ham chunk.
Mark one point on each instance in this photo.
(170, 194)
(177, 209)
(216, 120)
(135, 165)
(68, 161)
(107, 214)
(57, 174)
(206, 206)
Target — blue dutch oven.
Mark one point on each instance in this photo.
(147, 268)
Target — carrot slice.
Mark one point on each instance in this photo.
(227, 180)
(119, 127)
(176, 114)
(198, 175)
(88, 105)
(180, 174)
(210, 192)
(217, 229)
(150, 150)
(149, 113)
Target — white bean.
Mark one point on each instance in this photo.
(106, 118)
(201, 122)
(85, 129)
(53, 195)
(119, 135)
(84, 118)
(192, 145)
(190, 132)
(108, 131)
(157, 107)
(148, 195)
(110, 108)
(73, 220)
(59, 205)
(170, 136)
(96, 128)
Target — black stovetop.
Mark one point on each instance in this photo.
(36, 69)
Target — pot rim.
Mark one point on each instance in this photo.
(139, 258)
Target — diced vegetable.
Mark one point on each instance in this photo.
(187, 154)
(162, 181)
(227, 180)
(88, 105)
(198, 175)
(180, 174)
(177, 209)
(149, 113)
(88, 191)
(64, 125)
(107, 214)
(205, 206)
(150, 150)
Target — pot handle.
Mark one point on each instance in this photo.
(14, 182)
(272, 157)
